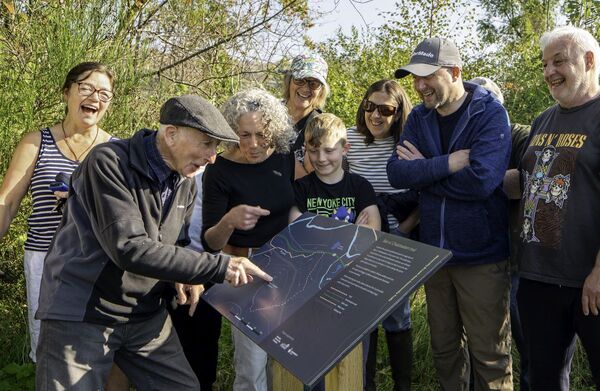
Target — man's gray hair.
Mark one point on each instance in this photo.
(581, 38)
(489, 85)
(278, 126)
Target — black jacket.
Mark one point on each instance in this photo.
(113, 253)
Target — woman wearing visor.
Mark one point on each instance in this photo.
(305, 91)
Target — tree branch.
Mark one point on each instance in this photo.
(222, 41)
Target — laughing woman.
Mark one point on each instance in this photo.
(40, 156)
(305, 91)
(379, 122)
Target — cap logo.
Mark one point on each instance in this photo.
(424, 54)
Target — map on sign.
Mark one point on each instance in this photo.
(332, 283)
(302, 259)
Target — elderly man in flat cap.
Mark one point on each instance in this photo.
(455, 149)
(117, 249)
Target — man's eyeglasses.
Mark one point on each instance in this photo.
(86, 89)
(312, 83)
(384, 110)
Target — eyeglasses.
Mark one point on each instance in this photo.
(384, 110)
(86, 89)
(312, 83)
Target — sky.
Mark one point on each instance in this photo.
(345, 14)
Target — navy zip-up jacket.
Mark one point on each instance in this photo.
(465, 212)
(115, 251)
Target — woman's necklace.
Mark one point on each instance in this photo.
(62, 126)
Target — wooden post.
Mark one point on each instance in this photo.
(347, 375)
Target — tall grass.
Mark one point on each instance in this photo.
(423, 377)
(15, 344)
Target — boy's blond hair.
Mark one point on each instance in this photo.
(325, 127)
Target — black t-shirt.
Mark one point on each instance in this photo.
(298, 144)
(267, 184)
(448, 123)
(519, 135)
(342, 201)
(560, 206)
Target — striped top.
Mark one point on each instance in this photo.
(370, 162)
(43, 220)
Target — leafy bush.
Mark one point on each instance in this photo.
(17, 377)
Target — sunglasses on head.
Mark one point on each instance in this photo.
(384, 110)
(312, 83)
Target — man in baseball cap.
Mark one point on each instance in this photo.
(118, 248)
(455, 148)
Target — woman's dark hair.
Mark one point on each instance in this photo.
(82, 70)
(397, 93)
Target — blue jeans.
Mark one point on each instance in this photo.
(399, 319)
(250, 363)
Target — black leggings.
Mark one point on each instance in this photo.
(199, 337)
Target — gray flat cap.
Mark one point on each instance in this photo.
(195, 112)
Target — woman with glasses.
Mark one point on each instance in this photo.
(379, 122)
(44, 156)
(305, 91)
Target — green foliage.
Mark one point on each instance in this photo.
(13, 311)
(355, 62)
(584, 14)
(514, 29)
(162, 48)
(505, 50)
(17, 377)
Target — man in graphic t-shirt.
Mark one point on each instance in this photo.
(559, 291)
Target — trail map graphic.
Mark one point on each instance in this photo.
(332, 283)
(300, 268)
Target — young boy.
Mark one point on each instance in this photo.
(329, 190)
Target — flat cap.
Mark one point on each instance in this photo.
(195, 112)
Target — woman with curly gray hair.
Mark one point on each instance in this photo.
(276, 123)
(246, 199)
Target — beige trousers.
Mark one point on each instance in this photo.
(468, 314)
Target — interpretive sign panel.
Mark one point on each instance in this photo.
(333, 282)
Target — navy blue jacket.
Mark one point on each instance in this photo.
(116, 252)
(465, 212)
